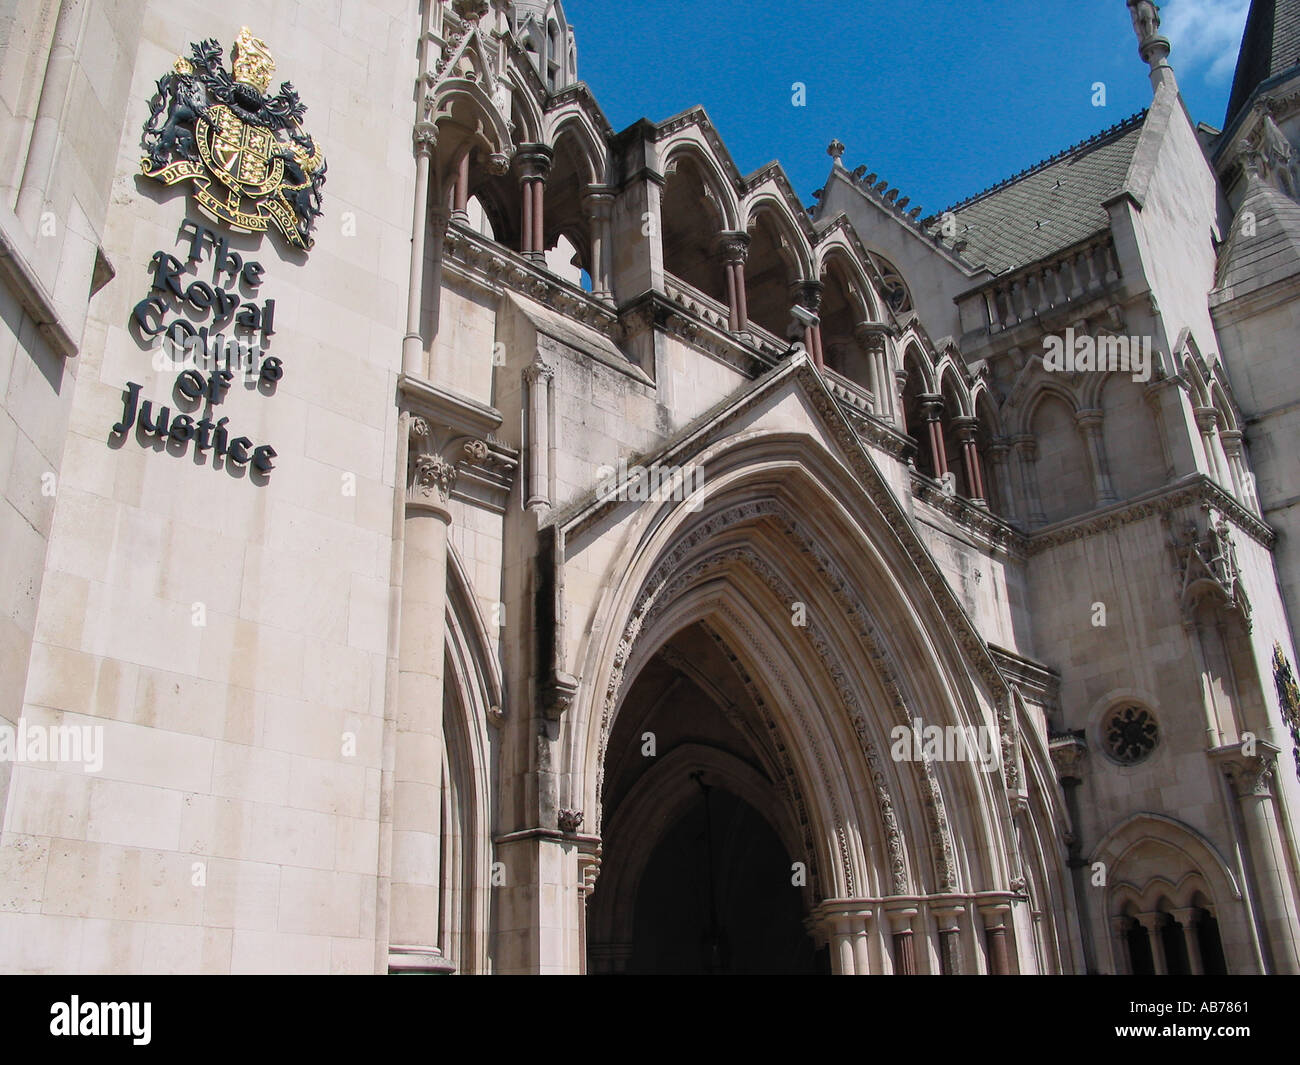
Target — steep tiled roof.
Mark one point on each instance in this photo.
(1270, 45)
(1047, 207)
(1249, 261)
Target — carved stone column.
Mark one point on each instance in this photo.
(903, 937)
(808, 295)
(1252, 779)
(734, 247)
(589, 852)
(871, 338)
(426, 142)
(1153, 922)
(1027, 455)
(999, 456)
(846, 923)
(438, 441)
(1069, 754)
(997, 938)
(1187, 920)
(538, 379)
(1119, 929)
(414, 932)
(460, 187)
(599, 203)
(1241, 481)
(900, 409)
(967, 431)
(1089, 423)
(948, 919)
(534, 161)
(932, 408)
(1207, 421)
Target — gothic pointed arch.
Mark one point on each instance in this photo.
(690, 146)
(674, 557)
(839, 243)
(472, 704)
(1150, 857)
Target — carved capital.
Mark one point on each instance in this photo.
(1207, 419)
(967, 429)
(1027, 445)
(871, 335)
(636, 321)
(432, 478)
(733, 245)
(1069, 754)
(470, 10)
(569, 820)
(1088, 421)
(539, 370)
(807, 294)
(425, 137)
(433, 460)
(534, 161)
(557, 696)
(599, 202)
(931, 407)
(1251, 774)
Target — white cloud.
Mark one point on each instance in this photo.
(1205, 34)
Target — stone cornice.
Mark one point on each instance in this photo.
(497, 268)
(995, 533)
(447, 409)
(692, 323)
(23, 281)
(1034, 679)
(580, 92)
(1193, 490)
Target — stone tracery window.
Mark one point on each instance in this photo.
(1130, 733)
(896, 292)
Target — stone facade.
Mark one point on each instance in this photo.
(648, 573)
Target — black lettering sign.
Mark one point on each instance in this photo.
(199, 310)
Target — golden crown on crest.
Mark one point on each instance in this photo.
(252, 61)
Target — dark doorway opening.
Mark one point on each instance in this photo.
(736, 911)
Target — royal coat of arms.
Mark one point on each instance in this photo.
(250, 160)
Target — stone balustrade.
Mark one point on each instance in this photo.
(1081, 271)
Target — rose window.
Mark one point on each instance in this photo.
(1130, 734)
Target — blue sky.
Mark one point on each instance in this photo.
(940, 97)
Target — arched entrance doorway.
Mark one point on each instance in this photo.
(703, 870)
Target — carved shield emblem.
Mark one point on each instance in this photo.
(245, 152)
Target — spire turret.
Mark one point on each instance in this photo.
(1269, 47)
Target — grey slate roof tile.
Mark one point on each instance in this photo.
(1249, 263)
(1047, 208)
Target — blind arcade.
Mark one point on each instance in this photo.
(202, 312)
